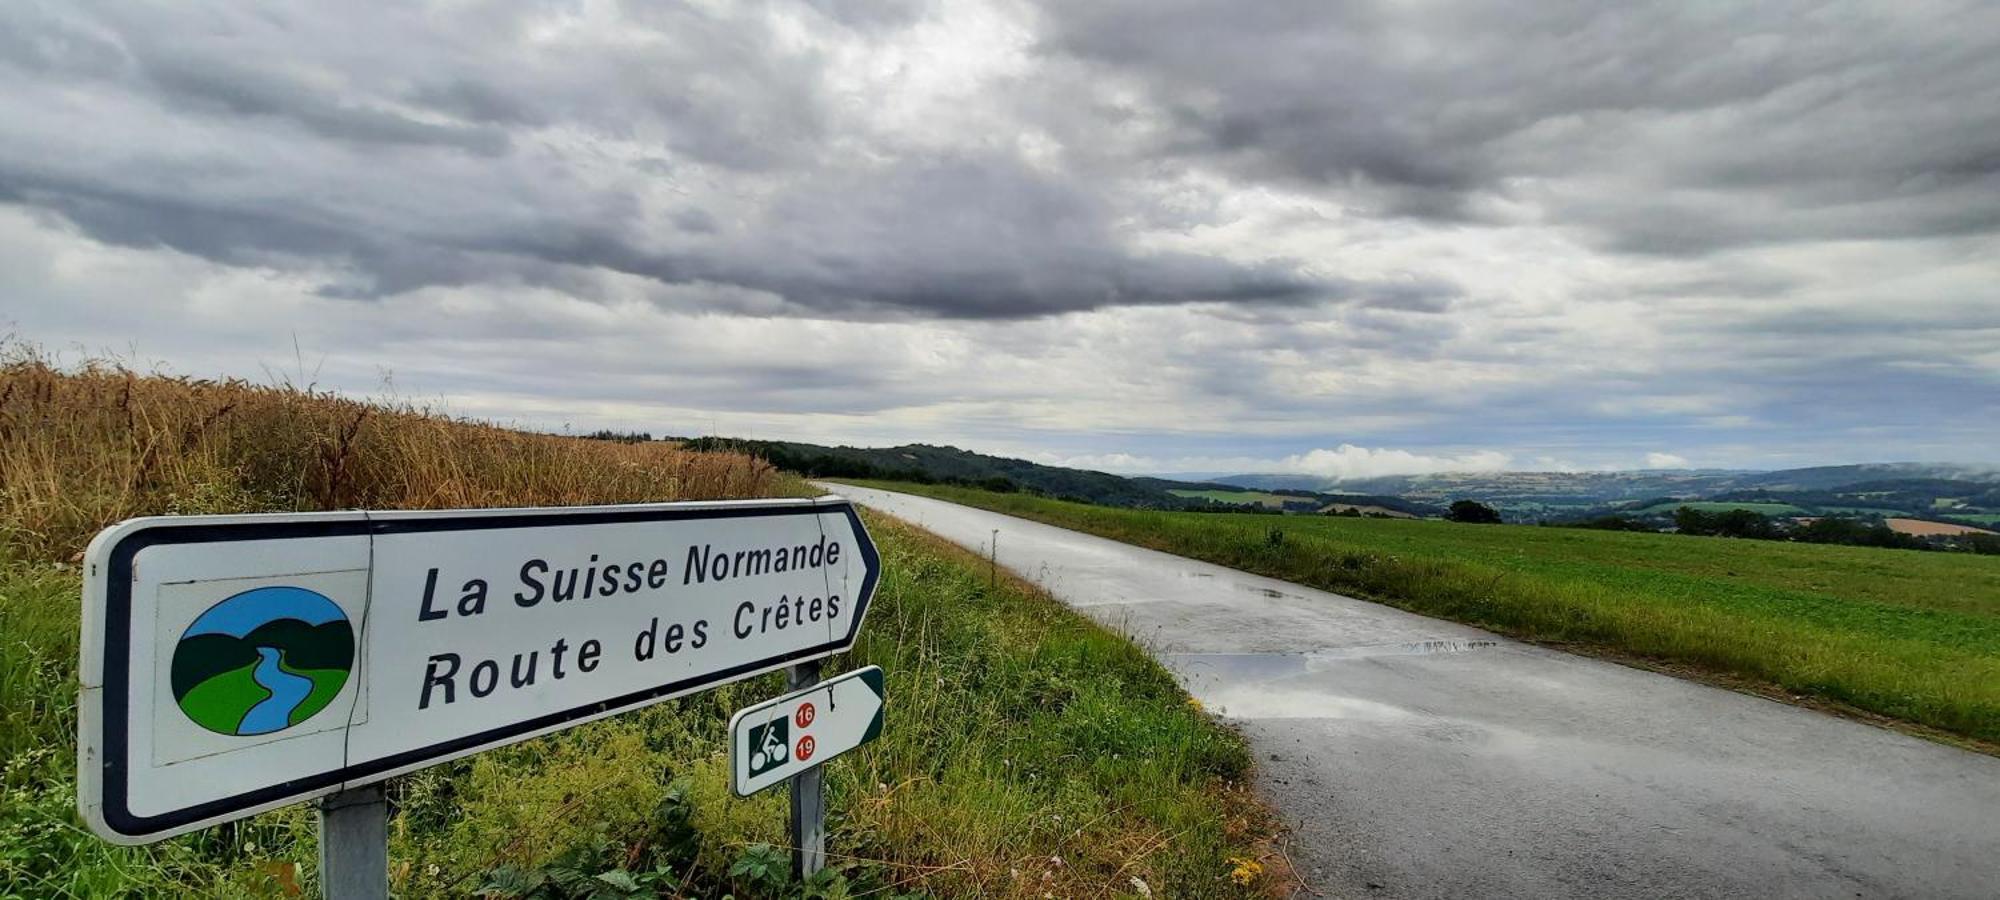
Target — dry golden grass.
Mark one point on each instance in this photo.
(1927, 528)
(83, 447)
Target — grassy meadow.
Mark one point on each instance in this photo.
(1907, 635)
(1028, 752)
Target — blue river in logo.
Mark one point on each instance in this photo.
(287, 692)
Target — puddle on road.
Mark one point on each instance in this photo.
(1254, 589)
(1416, 648)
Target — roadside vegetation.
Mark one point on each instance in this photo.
(1914, 637)
(1029, 752)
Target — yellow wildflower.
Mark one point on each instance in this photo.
(1245, 870)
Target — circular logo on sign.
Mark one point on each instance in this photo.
(805, 715)
(806, 747)
(262, 661)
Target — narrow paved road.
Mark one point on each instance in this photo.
(1418, 758)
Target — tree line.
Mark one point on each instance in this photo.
(1843, 530)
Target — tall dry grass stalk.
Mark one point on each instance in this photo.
(87, 445)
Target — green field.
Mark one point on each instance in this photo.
(1275, 501)
(1909, 635)
(1715, 506)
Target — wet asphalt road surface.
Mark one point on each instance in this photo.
(1413, 757)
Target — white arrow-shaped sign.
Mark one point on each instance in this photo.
(232, 664)
(779, 738)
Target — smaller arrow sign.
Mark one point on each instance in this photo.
(781, 737)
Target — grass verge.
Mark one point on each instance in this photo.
(1028, 752)
(1913, 637)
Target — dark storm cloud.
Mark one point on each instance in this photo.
(976, 237)
(1666, 127)
(215, 85)
(1625, 228)
(517, 142)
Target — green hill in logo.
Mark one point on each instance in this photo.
(262, 661)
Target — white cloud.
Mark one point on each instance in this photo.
(1665, 461)
(1345, 462)
(1348, 461)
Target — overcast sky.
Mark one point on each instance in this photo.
(1347, 238)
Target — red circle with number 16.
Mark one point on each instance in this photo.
(805, 751)
(805, 715)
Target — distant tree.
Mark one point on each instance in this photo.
(1613, 523)
(622, 437)
(1688, 520)
(1473, 512)
(1736, 523)
(1981, 543)
(1854, 532)
(1745, 523)
(999, 484)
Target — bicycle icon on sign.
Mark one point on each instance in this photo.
(773, 743)
(772, 740)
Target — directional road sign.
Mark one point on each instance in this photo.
(232, 664)
(780, 738)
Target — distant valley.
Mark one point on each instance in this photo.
(1901, 495)
(1958, 493)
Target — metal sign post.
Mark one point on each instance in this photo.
(808, 803)
(354, 845)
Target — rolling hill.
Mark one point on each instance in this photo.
(1960, 494)
(1969, 494)
(932, 464)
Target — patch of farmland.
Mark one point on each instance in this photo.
(1261, 498)
(1929, 529)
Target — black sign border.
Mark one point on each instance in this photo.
(118, 642)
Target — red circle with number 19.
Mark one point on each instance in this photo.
(805, 751)
(805, 715)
